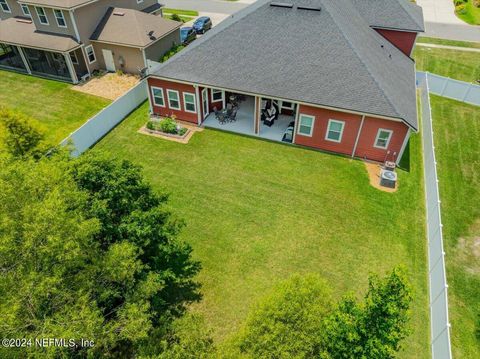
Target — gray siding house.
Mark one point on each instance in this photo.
(69, 39)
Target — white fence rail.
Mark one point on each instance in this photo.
(103, 122)
(439, 322)
(454, 89)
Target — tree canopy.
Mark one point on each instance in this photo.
(88, 250)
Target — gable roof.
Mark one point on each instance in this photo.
(391, 14)
(130, 27)
(59, 4)
(327, 58)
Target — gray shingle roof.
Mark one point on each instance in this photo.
(328, 58)
(391, 14)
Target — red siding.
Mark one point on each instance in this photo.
(166, 111)
(365, 147)
(350, 130)
(401, 39)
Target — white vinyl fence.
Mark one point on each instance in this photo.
(440, 325)
(454, 89)
(103, 122)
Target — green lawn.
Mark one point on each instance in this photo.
(468, 12)
(53, 103)
(185, 15)
(457, 146)
(258, 211)
(460, 65)
(433, 40)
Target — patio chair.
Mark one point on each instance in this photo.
(220, 116)
(233, 115)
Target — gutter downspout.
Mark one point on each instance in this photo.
(358, 136)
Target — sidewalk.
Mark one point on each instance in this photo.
(447, 47)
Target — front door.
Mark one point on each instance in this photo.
(109, 63)
(205, 103)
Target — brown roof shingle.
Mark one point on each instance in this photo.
(22, 32)
(132, 28)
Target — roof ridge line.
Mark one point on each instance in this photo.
(349, 42)
(404, 4)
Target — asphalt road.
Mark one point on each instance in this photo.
(452, 31)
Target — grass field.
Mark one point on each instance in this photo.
(258, 211)
(470, 14)
(457, 146)
(185, 15)
(460, 65)
(58, 108)
(433, 40)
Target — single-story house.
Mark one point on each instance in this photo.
(337, 73)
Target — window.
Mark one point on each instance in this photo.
(173, 99)
(42, 17)
(288, 105)
(189, 102)
(26, 10)
(157, 95)
(90, 54)
(73, 57)
(305, 126)
(335, 130)
(217, 95)
(4, 5)
(383, 138)
(60, 18)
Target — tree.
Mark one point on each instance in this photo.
(374, 329)
(87, 250)
(23, 136)
(287, 322)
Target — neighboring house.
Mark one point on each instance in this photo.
(339, 72)
(69, 39)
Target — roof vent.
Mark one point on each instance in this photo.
(281, 4)
(311, 8)
(118, 13)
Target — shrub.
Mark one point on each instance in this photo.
(182, 131)
(168, 125)
(460, 9)
(151, 125)
(176, 17)
(174, 49)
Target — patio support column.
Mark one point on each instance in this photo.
(24, 59)
(197, 105)
(71, 68)
(295, 125)
(256, 123)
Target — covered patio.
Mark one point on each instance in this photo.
(244, 122)
(25, 49)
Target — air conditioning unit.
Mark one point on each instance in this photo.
(388, 178)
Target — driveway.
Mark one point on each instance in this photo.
(440, 21)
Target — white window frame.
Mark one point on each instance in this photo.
(57, 18)
(5, 2)
(390, 135)
(292, 107)
(178, 99)
(93, 52)
(27, 12)
(217, 91)
(194, 102)
(300, 123)
(37, 9)
(153, 96)
(341, 131)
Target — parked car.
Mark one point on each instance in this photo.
(202, 24)
(187, 35)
